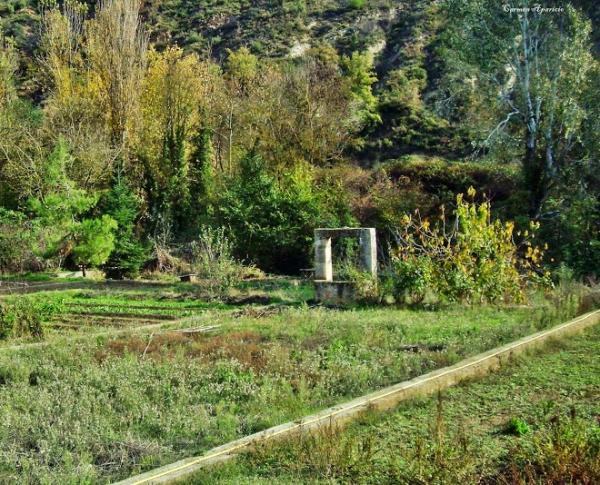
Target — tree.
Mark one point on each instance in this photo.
(272, 221)
(116, 46)
(203, 189)
(306, 111)
(530, 68)
(94, 241)
(58, 206)
(359, 71)
(74, 109)
(22, 148)
(172, 97)
(128, 254)
(317, 101)
(60, 43)
(8, 67)
(241, 78)
(241, 67)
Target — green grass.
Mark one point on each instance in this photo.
(102, 407)
(82, 310)
(36, 278)
(536, 421)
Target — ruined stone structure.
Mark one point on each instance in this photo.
(327, 289)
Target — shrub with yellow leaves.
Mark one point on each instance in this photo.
(468, 258)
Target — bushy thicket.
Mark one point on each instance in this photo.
(16, 255)
(272, 220)
(24, 317)
(469, 257)
(571, 222)
(115, 157)
(442, 180)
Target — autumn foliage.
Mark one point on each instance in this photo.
(470, 257)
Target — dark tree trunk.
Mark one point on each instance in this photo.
(534, 176)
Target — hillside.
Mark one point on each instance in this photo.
(399, 35)
(271, 28)
(391, 106)
(274, 28)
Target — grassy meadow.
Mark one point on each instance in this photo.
(97, 401)
(536, 421)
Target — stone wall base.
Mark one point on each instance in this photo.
(335, 292)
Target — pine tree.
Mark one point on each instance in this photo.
(128, 255)
(202, 181)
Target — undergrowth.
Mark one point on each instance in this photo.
(24, 317)
(536, 421)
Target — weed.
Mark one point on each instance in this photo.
(23, 317)
(461, 443)
(175, 394)
(566, 451)
(516, 427)
(325, 454)
(212, 259)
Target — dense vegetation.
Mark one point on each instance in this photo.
(206, 140)
(130, 132)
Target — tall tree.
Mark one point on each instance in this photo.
(93, 241)
(172, 96)
(241, 79)
(58, 205)
(528, 65)
(358, 69)
(128, 253)
(116, 46)
(74, 109)
(303, 111)
(8, 67)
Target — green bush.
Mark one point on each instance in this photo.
(470, 258)
(412, 277)
(23, 317)
(366, 286)
(516, 427)
(128, 254)
(212, 260)
(357, 4)
(272, 220)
